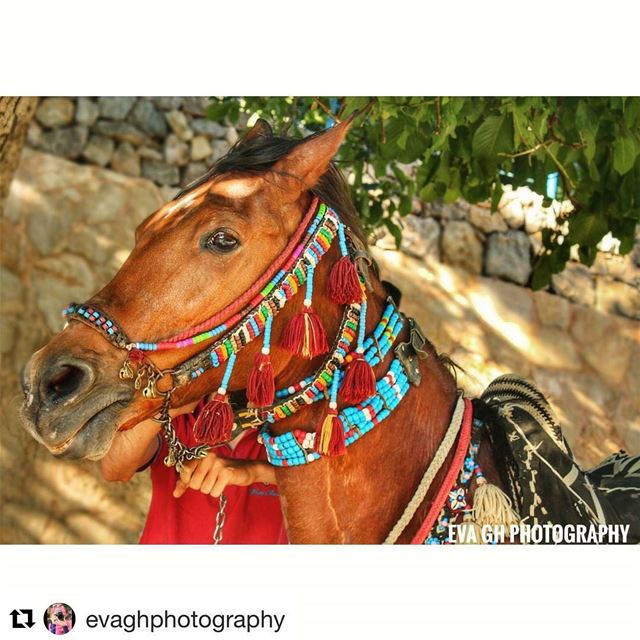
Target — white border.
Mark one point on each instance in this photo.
(319, 47)
(484, 593)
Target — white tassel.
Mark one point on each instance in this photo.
(492, 506)
(472, 530)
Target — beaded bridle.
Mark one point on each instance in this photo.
(346, 372)
(347, 366)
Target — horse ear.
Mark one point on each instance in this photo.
(260, 129)
(310, 159)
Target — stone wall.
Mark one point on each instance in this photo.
(170, 141)
(504, 245)
(67, 227)
(167, 140)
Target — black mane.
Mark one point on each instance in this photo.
(260, 153)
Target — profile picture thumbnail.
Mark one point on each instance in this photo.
(59, 618)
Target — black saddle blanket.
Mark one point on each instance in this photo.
(536, 464)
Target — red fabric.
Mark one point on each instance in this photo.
(253, 514)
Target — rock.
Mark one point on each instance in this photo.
(220, 149)
(147, 118)
(193, 171)
(64, 277)
(87, 111)
(537, 218)
(511, 208)
(167, 103)
(161, 172)
(575, 283)
(168, 193)
(11, 288)
(175, 151)
(46, 232)
(34, 134)
(121, 132)
(202, 126)
(103, 202)
(609, 356)
(196, 106)
(150, 153)
(613, 296)
(553, 310)
(8, 328)
(421, 237)
(67, 142)
(231, 136)
(115, 108)
(200, 148)
(482, 218)
(590, 325)
(55, 112)
(126, 160)
(507, 257)
(179, 125)
(99, 150)
(618, 267)
(461, 246)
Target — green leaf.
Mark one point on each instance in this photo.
(625, 153)
(428, 193)
(587, 228)
(493, 136)
(541, 276)
(496, 195)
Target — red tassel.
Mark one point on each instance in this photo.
(214, 425)
(261, 388)
(136, 356)
(343, 286)
(330, 435)
(304, 335)
(359, 381)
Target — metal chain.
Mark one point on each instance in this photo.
(220, 517)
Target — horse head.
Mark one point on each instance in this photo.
(193, 258)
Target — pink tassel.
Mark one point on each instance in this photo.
(359, 381)
(343, 286)
(214, 425)
(304, 335)
(261, 388)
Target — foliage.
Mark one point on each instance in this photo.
(470, 147)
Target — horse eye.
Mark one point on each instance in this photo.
(221, 241)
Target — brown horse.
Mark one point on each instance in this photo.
(194, 257)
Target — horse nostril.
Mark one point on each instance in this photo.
(64, 381)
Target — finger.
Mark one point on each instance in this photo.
(210, 480)
(206, 466)
(180, 489)
(187, 470)
(224, 478)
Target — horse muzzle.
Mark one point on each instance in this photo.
(72, 399)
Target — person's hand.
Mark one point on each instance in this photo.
(212, 474)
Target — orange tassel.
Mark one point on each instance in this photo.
(343, 285)
(214, 425)
(359, 381)
(304, 335)
(330, 439)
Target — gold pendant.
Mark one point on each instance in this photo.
(126, 372)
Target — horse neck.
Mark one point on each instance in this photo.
(358, 497)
